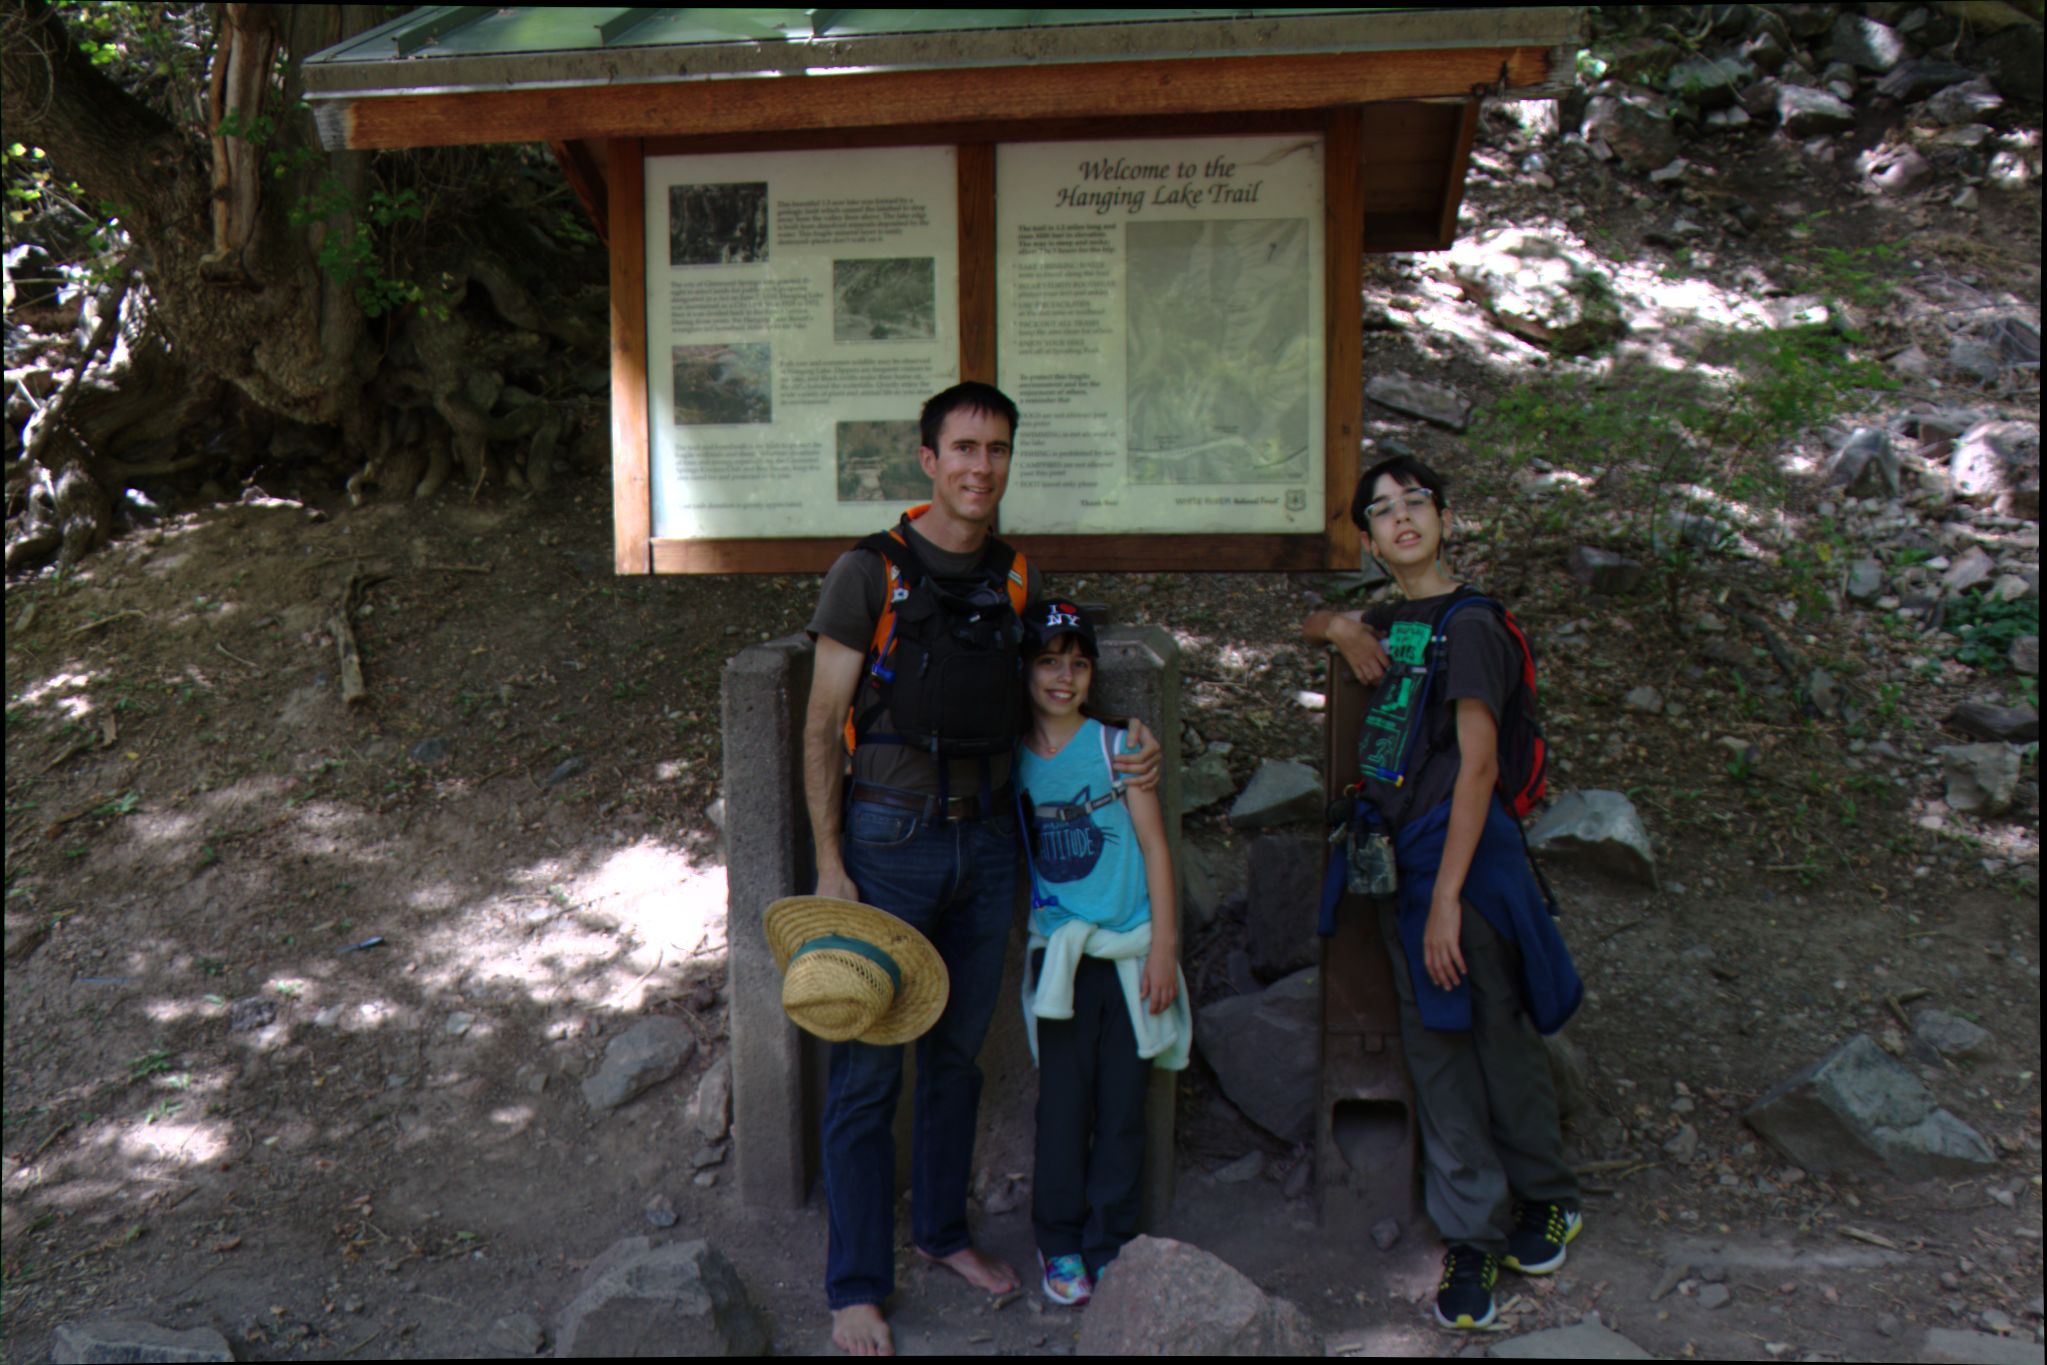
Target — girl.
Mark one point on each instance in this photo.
(1476, 959)
(1103, 998)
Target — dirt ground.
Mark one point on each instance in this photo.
(298, 995)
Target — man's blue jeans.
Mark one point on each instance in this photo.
(956, 883)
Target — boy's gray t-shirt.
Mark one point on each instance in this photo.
(847, 609)
(1483, 664)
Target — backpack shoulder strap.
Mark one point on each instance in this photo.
(901, 570)
(1002, 558)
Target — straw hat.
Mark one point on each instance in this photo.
(850, 971)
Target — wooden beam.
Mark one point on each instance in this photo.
(977, 261)
(1063, 554)
(632, 506)
(874, 99)
(1343, 380)
(1000, 130)
(1453, 179)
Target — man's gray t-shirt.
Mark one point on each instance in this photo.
(1483, 663)
(847, 610)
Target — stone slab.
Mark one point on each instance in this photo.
(1171, 1298)
(133, 1343)
(1958, 1347)
(1587, 1340)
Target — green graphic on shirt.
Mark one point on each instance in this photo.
(1384, 741)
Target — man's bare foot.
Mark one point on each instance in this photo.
(862, 1331)
(981, 1271)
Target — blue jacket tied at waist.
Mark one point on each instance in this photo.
(1503, 889)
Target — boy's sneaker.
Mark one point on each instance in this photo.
(1464, 1299)
(1066, 1279)
(1536, 1247)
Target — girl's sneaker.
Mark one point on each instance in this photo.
(1536, 1247)
(1464, 1299)
(1066, 1279)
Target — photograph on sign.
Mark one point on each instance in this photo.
(1159, 310)
(805, 305)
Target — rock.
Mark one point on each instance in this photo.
(1264, 1050)
(642, 1298)
(1950, 1035)
(1539, 289)
(1237, 971)
(1283, 895)
(1710, 82)
(1981, 778)
(1567, 1074)
(1298, 1180)
(563, 771)
(1951, 1344)
(1893, 170)
(1385, 1233)
(1249, 1166)
(1600, 829)
(1588, 1340)
(77, 1343)
(1170, 1298)
(1683, 1144)
(1824, 693)
(2014, 55)
(1642, 139)
(1866, 464)
(1865, 44)
(518, 1334)
(1715, 1296)
(1695, 529)
(1641, 60)
(2002, 724)
(1993, 458)
(1605, 572)
(2025, 655)
(1204, 782)
(429, 752)
(1972, 359)
(1644, 699)
(710, 1106)
(643, 1056)
(252, 1012)
(1429, 402)
(1858, 1108)
(1865, 580)
(1811, 113)
(1920, 77)
(1973, 567)
(2017, 340)
(1765, 51)
(1279, 793)
(32, 278)
(1964, 103)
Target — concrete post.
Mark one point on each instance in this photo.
(778, 1072)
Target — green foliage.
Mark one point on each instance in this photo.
(1857, 275)
(1985, 627)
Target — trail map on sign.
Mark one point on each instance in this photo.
(1219, 354)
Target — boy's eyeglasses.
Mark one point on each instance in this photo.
(1414, 500)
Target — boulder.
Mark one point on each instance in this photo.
(2001, 724)
(76, 1343)
(1710, 82)
(1807, 112)
(1994, 458)
(2014, 55)
(1539, 289)
(1894, 170)
(672, 1299)
(1640, 138)
(1204, 782)
(2025, 655)
(710, 1107)
(1282, 895)
(1920, 77)
(1865, 44)
(1605, 572)
(1587, 1340)
(1865, 582)
(1279, 793)
(1265, 1051)
(1858, 1108)
(1981, 778)
(1866, 465)
(1430, 402)
(1642, 60)
(642, 1057)
(1968, 102)
(1970, 568)
(1599, 829)
(1167, 1298)
(1950, 1035)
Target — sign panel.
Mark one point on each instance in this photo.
(1159, 307)
(801, 306)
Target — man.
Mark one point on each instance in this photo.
(929, 839)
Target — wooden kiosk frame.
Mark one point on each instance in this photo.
(1395, 96)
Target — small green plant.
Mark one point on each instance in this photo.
(1985, 627)
(124, 804)
(148, 1064)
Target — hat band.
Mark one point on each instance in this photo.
(858, 947)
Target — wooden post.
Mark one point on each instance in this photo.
(977, 261)
(632, 507)
(1343, 245)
